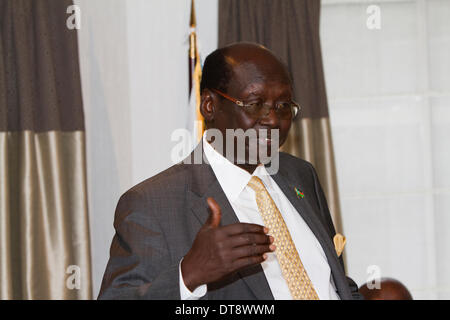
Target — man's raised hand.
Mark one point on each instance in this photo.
(218, 251)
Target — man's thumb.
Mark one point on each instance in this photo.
(215, 215)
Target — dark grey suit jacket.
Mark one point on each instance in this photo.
(157, 220)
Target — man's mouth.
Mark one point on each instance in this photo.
(261, 141)
(264, 141)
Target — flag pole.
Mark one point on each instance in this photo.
(195, 71)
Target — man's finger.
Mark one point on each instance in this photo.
(251, 250)
(249, 261)
(242, 227)
(215, 215)
(245, 239)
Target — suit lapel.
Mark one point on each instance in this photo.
(317, 227)
(304, 209)
(209, 186)
(200, 206)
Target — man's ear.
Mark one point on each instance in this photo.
(207, 105)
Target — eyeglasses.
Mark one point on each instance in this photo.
(284, 110)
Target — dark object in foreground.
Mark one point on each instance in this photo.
(390, 289)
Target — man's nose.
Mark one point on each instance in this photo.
(269, 117)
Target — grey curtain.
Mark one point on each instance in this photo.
(290, 28)
(44, 230)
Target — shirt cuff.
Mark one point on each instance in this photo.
(185, 293)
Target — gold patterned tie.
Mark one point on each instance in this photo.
(294, 273)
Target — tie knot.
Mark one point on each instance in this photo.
(256, 184)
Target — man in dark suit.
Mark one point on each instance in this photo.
(229, 229)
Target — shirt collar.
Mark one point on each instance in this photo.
(232, 178)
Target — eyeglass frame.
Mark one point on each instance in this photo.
(240, 103)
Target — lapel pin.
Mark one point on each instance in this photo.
(299, 193)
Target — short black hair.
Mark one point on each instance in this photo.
(216, 72)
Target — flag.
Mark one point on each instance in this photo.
(195, 120)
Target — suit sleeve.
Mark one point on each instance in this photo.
(326, 216)
(140, 266)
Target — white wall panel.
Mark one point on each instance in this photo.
(441, 141)
(104, 74)
(373, 140)
(374, 62)
(390, 114)
(442, 207)
(439, 44)
(387, 231)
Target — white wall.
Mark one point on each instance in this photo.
(389, 98)
(134, 73)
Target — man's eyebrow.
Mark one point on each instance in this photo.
(252, 89)
(254, 93)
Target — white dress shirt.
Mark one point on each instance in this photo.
(233, 181)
